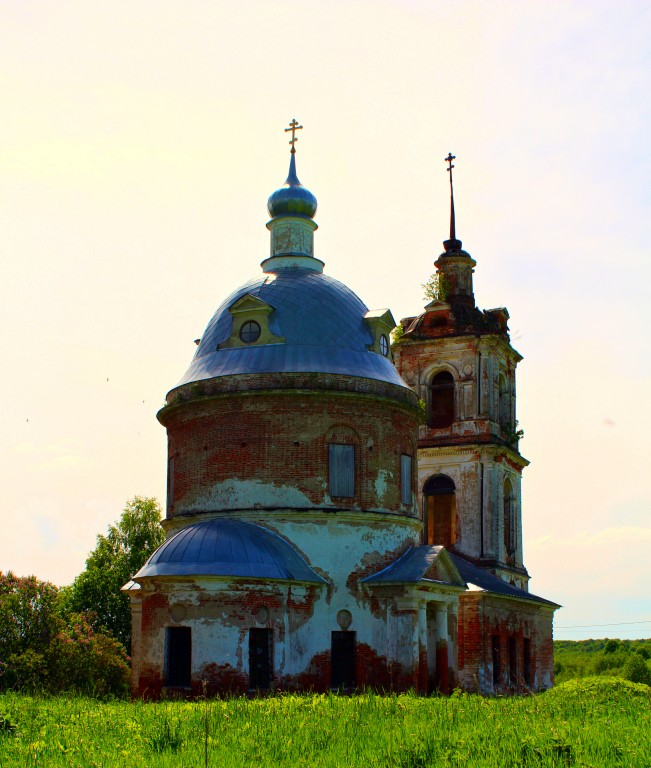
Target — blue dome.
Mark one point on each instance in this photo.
(321, 320)
(228, 548)
(292, 199)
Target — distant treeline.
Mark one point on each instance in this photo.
(629, 659)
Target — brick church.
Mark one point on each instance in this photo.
(343, 512)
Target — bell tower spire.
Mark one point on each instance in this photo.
(455, 266)
(453, 227)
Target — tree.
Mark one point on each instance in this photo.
(42, 650)
(435, 288)
(28, 622)
(636, 669)
(115, 559)
(27, 612)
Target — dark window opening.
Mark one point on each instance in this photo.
(384, 345)
(170, 484)
(510, 537)
(405, 479)
(504, 405)
(441, 401)
(260, 658)
(342, 659)
(178, 659)
(513, 662)
(440, 511)
(250, 332)
(527, 661)
(496, 659)
(341, 470)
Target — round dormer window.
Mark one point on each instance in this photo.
(384, 345)
(250, 332)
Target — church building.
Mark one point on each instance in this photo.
(343, 511)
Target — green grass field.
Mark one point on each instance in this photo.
(589, 722)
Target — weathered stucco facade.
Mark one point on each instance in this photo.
(319, 534)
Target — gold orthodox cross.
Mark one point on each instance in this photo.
(293, 127)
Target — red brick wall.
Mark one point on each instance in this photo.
(281, 438)
(480, 618)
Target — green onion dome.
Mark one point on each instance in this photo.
(292, 199)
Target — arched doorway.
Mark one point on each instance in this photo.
(440, 511)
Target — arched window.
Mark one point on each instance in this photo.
(440, 511)
(509, 519)
(441, 412)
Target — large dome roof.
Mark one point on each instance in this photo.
(321, 320)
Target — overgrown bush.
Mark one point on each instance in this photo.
(42, 650)
(636, 669)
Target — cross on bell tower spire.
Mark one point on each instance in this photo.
(448, 160)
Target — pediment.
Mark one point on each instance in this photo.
(437, 305)
(380, 316)
(443, 568)
(423, 563)
(249, 303)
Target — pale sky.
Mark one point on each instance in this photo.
(139, 143)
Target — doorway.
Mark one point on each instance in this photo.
(440, 511)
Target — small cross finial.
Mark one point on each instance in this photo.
(293, 127)
(453, 233)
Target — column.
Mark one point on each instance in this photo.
(442, 675)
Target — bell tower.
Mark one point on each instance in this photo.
(460, 362)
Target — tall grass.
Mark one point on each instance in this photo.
(592, 722)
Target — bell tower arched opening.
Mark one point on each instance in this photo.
(441, 412)
(509, 520)
(440, 511)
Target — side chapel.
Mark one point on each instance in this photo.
(324, 531)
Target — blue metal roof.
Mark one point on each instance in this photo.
(488, 582)
(228, 548)
(321, 320)
(411, 567)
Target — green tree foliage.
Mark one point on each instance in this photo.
(42, 650)
(95, 662)
(27, 611)
(115, 559)
(636, 669)
(611, 658)
(611, 646)
(435, 288)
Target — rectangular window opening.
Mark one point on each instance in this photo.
(260, 658)
(527, 661)
(405, 479)
(513, 662)
(342, 659)
(178, 657)
(341, 470)
(496, 659)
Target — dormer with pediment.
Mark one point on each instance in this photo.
(380, 323)
(251, 317)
